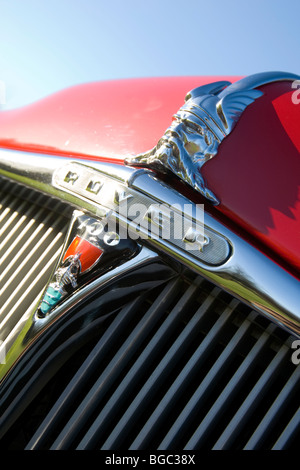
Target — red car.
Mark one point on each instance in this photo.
(150, 266)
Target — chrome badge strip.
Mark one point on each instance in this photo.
(166, 222)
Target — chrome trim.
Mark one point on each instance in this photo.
(245, 273)
(208, 116)
(248, 274)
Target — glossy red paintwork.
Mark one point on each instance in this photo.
(256, 173)
(110, 119)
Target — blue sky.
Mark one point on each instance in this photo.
(49, 45)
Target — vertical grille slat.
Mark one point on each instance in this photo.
(26, 237)
(12, 215)
(31, 240)
(231, 390)
(139, 367)
(192, 367)
(258, 392)
(28, 270)
(95, 358)
(26, 290)
(147, 356)
(275, 413)
(161, 373)
(289, 432)
(200, 397)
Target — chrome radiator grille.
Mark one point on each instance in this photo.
(184, 366)
(32, 233)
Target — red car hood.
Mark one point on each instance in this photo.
(256, 174)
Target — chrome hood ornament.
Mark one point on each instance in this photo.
(208, 116)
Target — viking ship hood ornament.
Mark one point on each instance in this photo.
(208, 115)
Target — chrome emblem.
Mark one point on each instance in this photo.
(79, 258)
(92, 251)
(208, 116)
